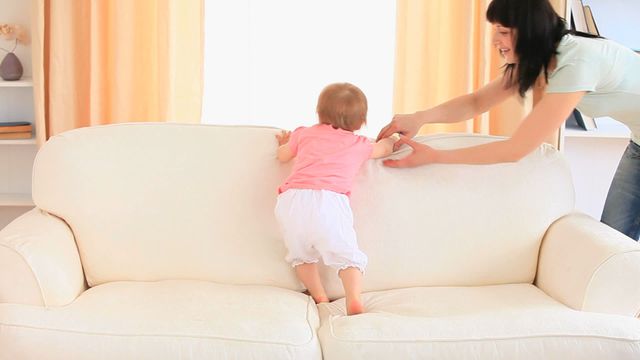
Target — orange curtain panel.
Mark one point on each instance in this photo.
(113, 61)
(444, 49)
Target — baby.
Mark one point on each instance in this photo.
(313, 203)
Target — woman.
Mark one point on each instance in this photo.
(598, 76)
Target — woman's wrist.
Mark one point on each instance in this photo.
(422, 117)
(439, 156)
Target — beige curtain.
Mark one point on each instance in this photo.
(444, 50)
(112, 61)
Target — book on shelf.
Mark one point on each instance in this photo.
(578, 18)
(591, 22)
(577, 119)
(13, 123)
(16, 135)
(23, 127)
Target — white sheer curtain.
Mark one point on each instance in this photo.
(267, 61)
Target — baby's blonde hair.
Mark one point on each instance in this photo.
(343, 106)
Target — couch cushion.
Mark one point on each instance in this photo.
(456, 225)
(151, 202)
(169, 201)
(165, 320)
(491, 322)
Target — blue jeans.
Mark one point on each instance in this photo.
(622, 207)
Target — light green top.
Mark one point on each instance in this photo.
(608, 71)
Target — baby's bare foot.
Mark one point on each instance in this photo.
(321, 300)
(354, 307)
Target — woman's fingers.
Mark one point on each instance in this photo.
(409, 141)
(404, 124)
(405, 161)
(420, 154)
(401, 163)
(385, 132)
(405, 140)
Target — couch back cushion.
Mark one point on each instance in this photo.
(167, 201)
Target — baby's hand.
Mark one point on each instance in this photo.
(283, 137)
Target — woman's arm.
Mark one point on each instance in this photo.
(546, 117)
(460, 108)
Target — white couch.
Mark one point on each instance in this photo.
(158, 241)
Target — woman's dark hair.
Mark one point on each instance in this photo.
(538, 31)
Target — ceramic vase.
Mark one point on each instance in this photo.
(10, 68)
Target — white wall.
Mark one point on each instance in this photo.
(267, 61)
(593, 162)
(617, 20)
(17, 12)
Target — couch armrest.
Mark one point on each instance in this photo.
(588, 266)
(39, 261)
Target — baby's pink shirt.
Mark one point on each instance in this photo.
(326, 158)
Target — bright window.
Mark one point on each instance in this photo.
(267, 61)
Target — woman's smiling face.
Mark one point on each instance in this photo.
(504, 41)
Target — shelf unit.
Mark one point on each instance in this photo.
(16, 104)
(606, 128)
(22, 200)
(593, 156)
(16, 155)
(24, 82)
(31, 141)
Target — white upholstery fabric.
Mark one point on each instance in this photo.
(589, 266)
(39, 261)
(175, 232)
(167, 201)
(165, 320)
(515, 321)
(456, 225)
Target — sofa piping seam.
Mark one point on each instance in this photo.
(598, 268)
(311, 331)
(44, 301)
(220, 338)
(333, 335)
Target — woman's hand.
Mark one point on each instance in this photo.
(283, 137)
(405, 124)
(420, 155)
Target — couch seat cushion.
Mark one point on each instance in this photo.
(165, 320)
(515, 321)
